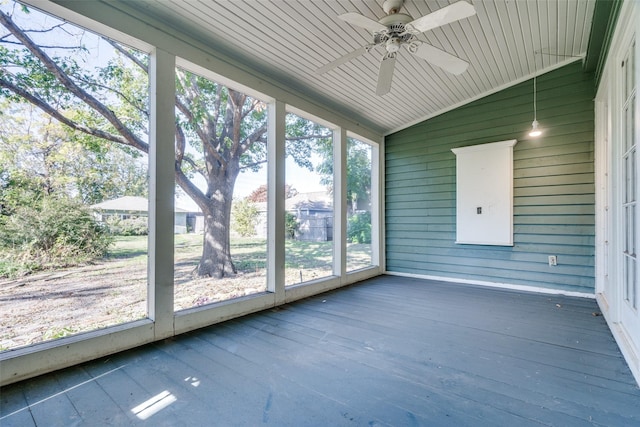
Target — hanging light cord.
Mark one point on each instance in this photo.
(534, 99)
(535, 132)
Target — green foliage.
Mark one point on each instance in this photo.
(54, 334)
(291, 225)
(13, 267)
(359, 228)
(41, 157)
(244, 214)
(358, 172)
(303, 138)
(206, 114)
(17, 189)
(358, 169)
(136, 226)
(57, 232)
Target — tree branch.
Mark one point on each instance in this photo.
(256, 136)
(3, 40)
(255, 105)
(190, 93)
(252, 165)
(70, 85)
(120, 94)
(192, 191)
(128, 54)
(302, 138)
(181, 144)
(217, 104)
(237, 100)
(35, 100)
(4, 37)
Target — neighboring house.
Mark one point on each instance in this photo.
(314, 212)
(126, 207)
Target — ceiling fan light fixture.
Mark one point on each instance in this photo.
(393, 45)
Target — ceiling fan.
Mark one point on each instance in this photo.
(397, 29)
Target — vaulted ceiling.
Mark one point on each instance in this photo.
(505, 42)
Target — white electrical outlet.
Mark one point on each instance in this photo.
(553, 260)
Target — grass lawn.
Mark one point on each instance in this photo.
(248, 254)
(55, 303)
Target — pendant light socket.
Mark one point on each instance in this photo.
(534, 129)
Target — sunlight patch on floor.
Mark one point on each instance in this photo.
(153, 405)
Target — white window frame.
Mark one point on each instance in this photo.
(167, 51)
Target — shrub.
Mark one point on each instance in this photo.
(245, 215)
(291, 225)
(136, 226)
(359, 228)
(55, 233)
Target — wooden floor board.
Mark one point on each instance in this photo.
(277, 375)
(14, 409)
(346, 381)
(386, 352)
(420, 383)
(439, 368)
(245, 375)
(123, 391)
(89, 400)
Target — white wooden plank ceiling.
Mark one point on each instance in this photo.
(505, 42)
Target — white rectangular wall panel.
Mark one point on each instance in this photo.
(484, 194)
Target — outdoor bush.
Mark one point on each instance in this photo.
(359, 228)
(57, 232)
(244, 214)
(136, 226)
(291, 225)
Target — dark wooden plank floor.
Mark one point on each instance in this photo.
(389, 351)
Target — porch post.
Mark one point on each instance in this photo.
(339, 203)
(161, 191)
(275, 197)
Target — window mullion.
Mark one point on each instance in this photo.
(276, 199)
(161, 191)
(339, 202)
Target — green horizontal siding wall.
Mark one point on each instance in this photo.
(553, 188)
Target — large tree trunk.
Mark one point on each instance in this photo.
(216, 246)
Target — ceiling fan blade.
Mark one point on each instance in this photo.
(385, 74)
(435, 56)
(446, 15)
(362, 21)
(346, 58)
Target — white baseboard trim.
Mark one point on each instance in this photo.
(629, 352)
(522, 288)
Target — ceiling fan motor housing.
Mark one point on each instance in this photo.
(396, 33)
(396, 19)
